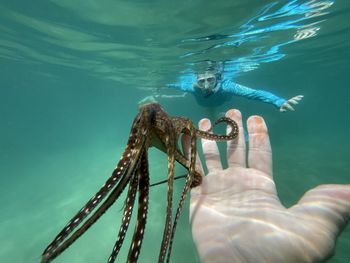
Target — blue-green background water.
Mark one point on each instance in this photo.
(72, 73)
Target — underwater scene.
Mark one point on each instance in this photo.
(74, 74)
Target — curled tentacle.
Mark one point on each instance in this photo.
(218, 137)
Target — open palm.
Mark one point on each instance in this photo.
(236, 215)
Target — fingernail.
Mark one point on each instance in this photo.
(234, 114)
(256, 124)
(204, 124)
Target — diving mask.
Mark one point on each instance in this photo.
(207, 82)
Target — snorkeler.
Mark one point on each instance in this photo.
(212, 89)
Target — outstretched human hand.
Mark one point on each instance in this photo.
(236, 215)
(287, 106)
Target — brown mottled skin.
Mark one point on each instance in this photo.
(151, 127)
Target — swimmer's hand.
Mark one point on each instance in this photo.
(236, 215)
(287, 106)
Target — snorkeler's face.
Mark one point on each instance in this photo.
(206, 82)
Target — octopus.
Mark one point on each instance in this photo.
(152, 127)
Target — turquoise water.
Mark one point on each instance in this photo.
(72, 73)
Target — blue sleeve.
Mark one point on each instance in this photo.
(185, 83)
(262, 95)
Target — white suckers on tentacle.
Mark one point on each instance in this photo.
(151, 127)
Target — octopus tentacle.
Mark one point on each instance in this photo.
(181, 123)
(197, 178)
(124, 169)
(90, 205)
(185, 126)
(129, 204)
(91, 220)
(217, 137)
(137, 238)
(188, 183)
(170, 145)
(177, 215)
(60, 243)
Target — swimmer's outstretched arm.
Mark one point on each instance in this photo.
(184, 84)
(261, 95)
(155, 97)
(236, 215)
(172, 96)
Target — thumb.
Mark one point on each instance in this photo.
(328, 204)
